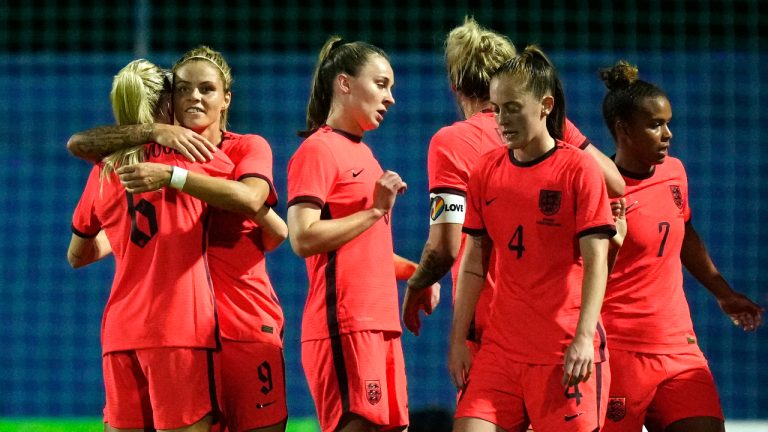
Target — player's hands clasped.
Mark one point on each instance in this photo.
(144, 176)
(187, 142)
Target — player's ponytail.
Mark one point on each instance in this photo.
(625, 93)
(472, 54)
(337, 56)
(136, 90)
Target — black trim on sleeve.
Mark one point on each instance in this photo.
(306, 199)
(475, 232)
(272, 190)
(439, 190)
(609, 230)
(81, 234)
(585, 144)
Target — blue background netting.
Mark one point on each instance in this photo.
(57, 61)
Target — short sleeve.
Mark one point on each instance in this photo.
(473, 220)
(448, 171)
(593, 208)
(573, 136)
(312, 172)
(85, 223)
(256, 162)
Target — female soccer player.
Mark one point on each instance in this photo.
(472, 54)
(660, 377)
(159, 324)
(542, 207)
(242, 228)
(339, 220)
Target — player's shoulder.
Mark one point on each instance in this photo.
(243, 139)
(493, 157)
(672, 168)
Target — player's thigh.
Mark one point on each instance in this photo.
(634, 379)
(688, 392)
(252, 386)
(182, 386)
(493, 394)
(551, 406)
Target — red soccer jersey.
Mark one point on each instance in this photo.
(453, 151)
(645, 308)
(248, 306)
(535, 212)
(161, 295)
(352, 288)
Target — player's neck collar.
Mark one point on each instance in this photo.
(531, 162)
(347, 135)
(634, 175)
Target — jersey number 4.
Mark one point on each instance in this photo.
(146, 210)
(516, 242)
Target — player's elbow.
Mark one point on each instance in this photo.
(75, 261)
(301, 246)
(74, 146)
(300, 249)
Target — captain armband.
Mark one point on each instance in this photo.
(447, 208)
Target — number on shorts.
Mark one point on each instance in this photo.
(574, 394)
(146, 209)
(265, 376)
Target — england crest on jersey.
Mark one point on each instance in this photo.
(677, 196)
(549, 201)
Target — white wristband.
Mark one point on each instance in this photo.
(178, 177)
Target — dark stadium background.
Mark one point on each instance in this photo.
(57, 60)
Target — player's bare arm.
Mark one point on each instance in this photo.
(614, 182)
(579, 356)
(472, 272)
(438, 256)
(94, 144)
(742, 311)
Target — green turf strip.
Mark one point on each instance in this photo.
(95, 425)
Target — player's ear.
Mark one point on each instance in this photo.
(547, 104)
(227, 100)
(343, 82)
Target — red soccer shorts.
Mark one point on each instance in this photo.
(161, 388)
(361, 373)
(659, 389)
(513, 395)
(252, 385)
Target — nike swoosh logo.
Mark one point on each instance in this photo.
(260, 406)
(571, 417)
(355, 174)
(489, 201)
